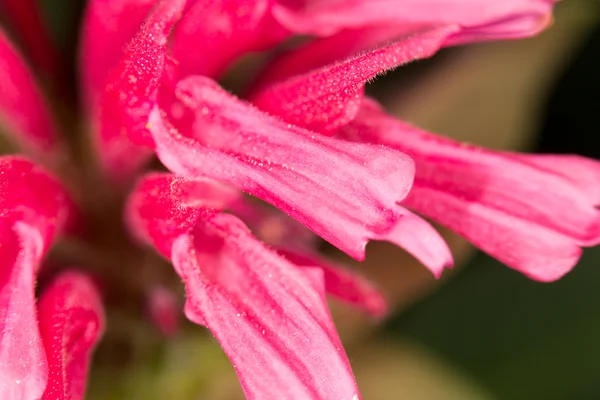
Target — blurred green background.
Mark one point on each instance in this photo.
(519, 339)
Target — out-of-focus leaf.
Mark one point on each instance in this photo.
(191, 366)
(522, 339)
(390, 371)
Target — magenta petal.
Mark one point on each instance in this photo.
(582, 172)
(41, 203)
(329, 97)
(23, 111)
(342, 283)
(33, 207)
(532, 219)
(108, 27)
(71, 324)
(345, 192)
(344, 46)
(25, 17)
(223, 29)
(481, 19)
(163, 310)
(415, 235)
(536, 251)
(120, 122)
(23, 367)
(164, 206)
(270, 317)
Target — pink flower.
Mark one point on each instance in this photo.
(307, 141)
(530, 212)
(45, 348)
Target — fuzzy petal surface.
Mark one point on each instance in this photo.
(107, 29)
(163, 206)
(327, 98)
(321, 53)
(71, 320)
(119, 124)
(345, 192)
(270, 316)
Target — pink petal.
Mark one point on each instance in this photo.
(71, 324)
(24, 113)
(29, 194)
(25, 18)
(130, 94)
(531, 219)
(415, 235)
(342, 283)
(481, 19)
(33, 208)
(344, 192)
(270, 317)
(526, 246)
(223, 29)
(108, 27)
(164, 310)
(327, 98)
(164, 206)
(23, 367)
(582, 172)
(344, 46)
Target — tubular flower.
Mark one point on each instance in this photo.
(45, 347)
(494, 198)
(305, 139)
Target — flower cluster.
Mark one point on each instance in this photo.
(305, 138)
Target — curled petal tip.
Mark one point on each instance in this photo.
(420, 239)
